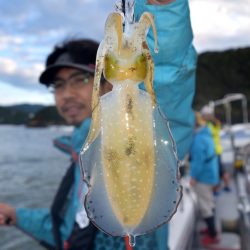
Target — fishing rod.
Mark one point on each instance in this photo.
(124, 7)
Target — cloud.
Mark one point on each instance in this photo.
(21, 76)
(221, 24)
(10, 95)
(46, 17)
(7, 41)
(29, 30)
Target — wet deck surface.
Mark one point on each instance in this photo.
(226, 221)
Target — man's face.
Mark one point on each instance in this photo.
(73, 92)
(207, 117)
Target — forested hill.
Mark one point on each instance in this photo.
(221, 73)
(30, 115)
(18, 114)
(218, 74)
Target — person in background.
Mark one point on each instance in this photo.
(69, 73)
(214, 125)
(204, 176)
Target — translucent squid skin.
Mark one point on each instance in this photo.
(129, 154)
(135, 72)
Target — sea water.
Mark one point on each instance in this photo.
(30, 172)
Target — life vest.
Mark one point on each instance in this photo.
(215, 130)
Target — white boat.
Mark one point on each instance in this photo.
(233, 210)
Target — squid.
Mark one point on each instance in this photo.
(129, 158)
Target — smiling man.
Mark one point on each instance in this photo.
(69, 74)
(72, 89)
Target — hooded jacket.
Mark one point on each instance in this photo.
(204, 161)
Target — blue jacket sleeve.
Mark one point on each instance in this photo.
(175, 64)
(38, 222)
(174, 75)
(197, 159)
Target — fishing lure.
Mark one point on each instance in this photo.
(128, 159)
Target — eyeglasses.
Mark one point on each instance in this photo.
(75, 81)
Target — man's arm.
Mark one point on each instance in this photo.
(174, 72)
(197, 160)
(34, 222)
(37, 223)
(175, 65)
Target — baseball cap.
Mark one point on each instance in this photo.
(207, 110)
(64, 60)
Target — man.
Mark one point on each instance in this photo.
(204, 176)
(214, 125)
(69, 72)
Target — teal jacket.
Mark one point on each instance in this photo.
(204, 160)
(174, 87)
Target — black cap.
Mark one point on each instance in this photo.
(64, 60)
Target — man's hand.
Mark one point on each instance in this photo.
(160, 2)
(192, 182)
(7, 215)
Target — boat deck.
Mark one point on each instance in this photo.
(226, 221)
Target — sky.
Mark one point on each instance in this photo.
(29, 30)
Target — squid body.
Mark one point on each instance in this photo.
(128, 159)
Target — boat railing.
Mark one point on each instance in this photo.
(242, 179)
